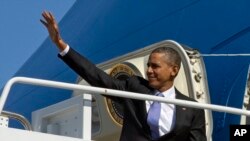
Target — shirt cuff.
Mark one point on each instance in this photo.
(65, 51)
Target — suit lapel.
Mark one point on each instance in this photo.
(143, 115)
(179, 112)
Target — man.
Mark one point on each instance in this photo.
(143, 121)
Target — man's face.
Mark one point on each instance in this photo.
(160, 73)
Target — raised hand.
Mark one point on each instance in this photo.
(50, 23)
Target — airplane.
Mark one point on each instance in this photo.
(118, 36)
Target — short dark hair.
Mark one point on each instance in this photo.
(172, 56)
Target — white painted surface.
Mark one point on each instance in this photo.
(11, 134)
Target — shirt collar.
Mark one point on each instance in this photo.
(170, 93)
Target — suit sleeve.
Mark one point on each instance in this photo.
(88, 71)
(198, 128)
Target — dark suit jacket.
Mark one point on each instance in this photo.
(189, 125)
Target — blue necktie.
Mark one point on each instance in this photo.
(154, 116)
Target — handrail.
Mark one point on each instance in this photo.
(26, 124)
(103, 91)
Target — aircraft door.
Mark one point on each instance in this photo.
(191, 80)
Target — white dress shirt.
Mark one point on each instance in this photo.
(65, 51)
(167, 115)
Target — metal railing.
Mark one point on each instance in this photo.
(104, 91)
(26, 124)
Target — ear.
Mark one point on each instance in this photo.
(175, 70)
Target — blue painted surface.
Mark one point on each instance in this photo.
(102, 30)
